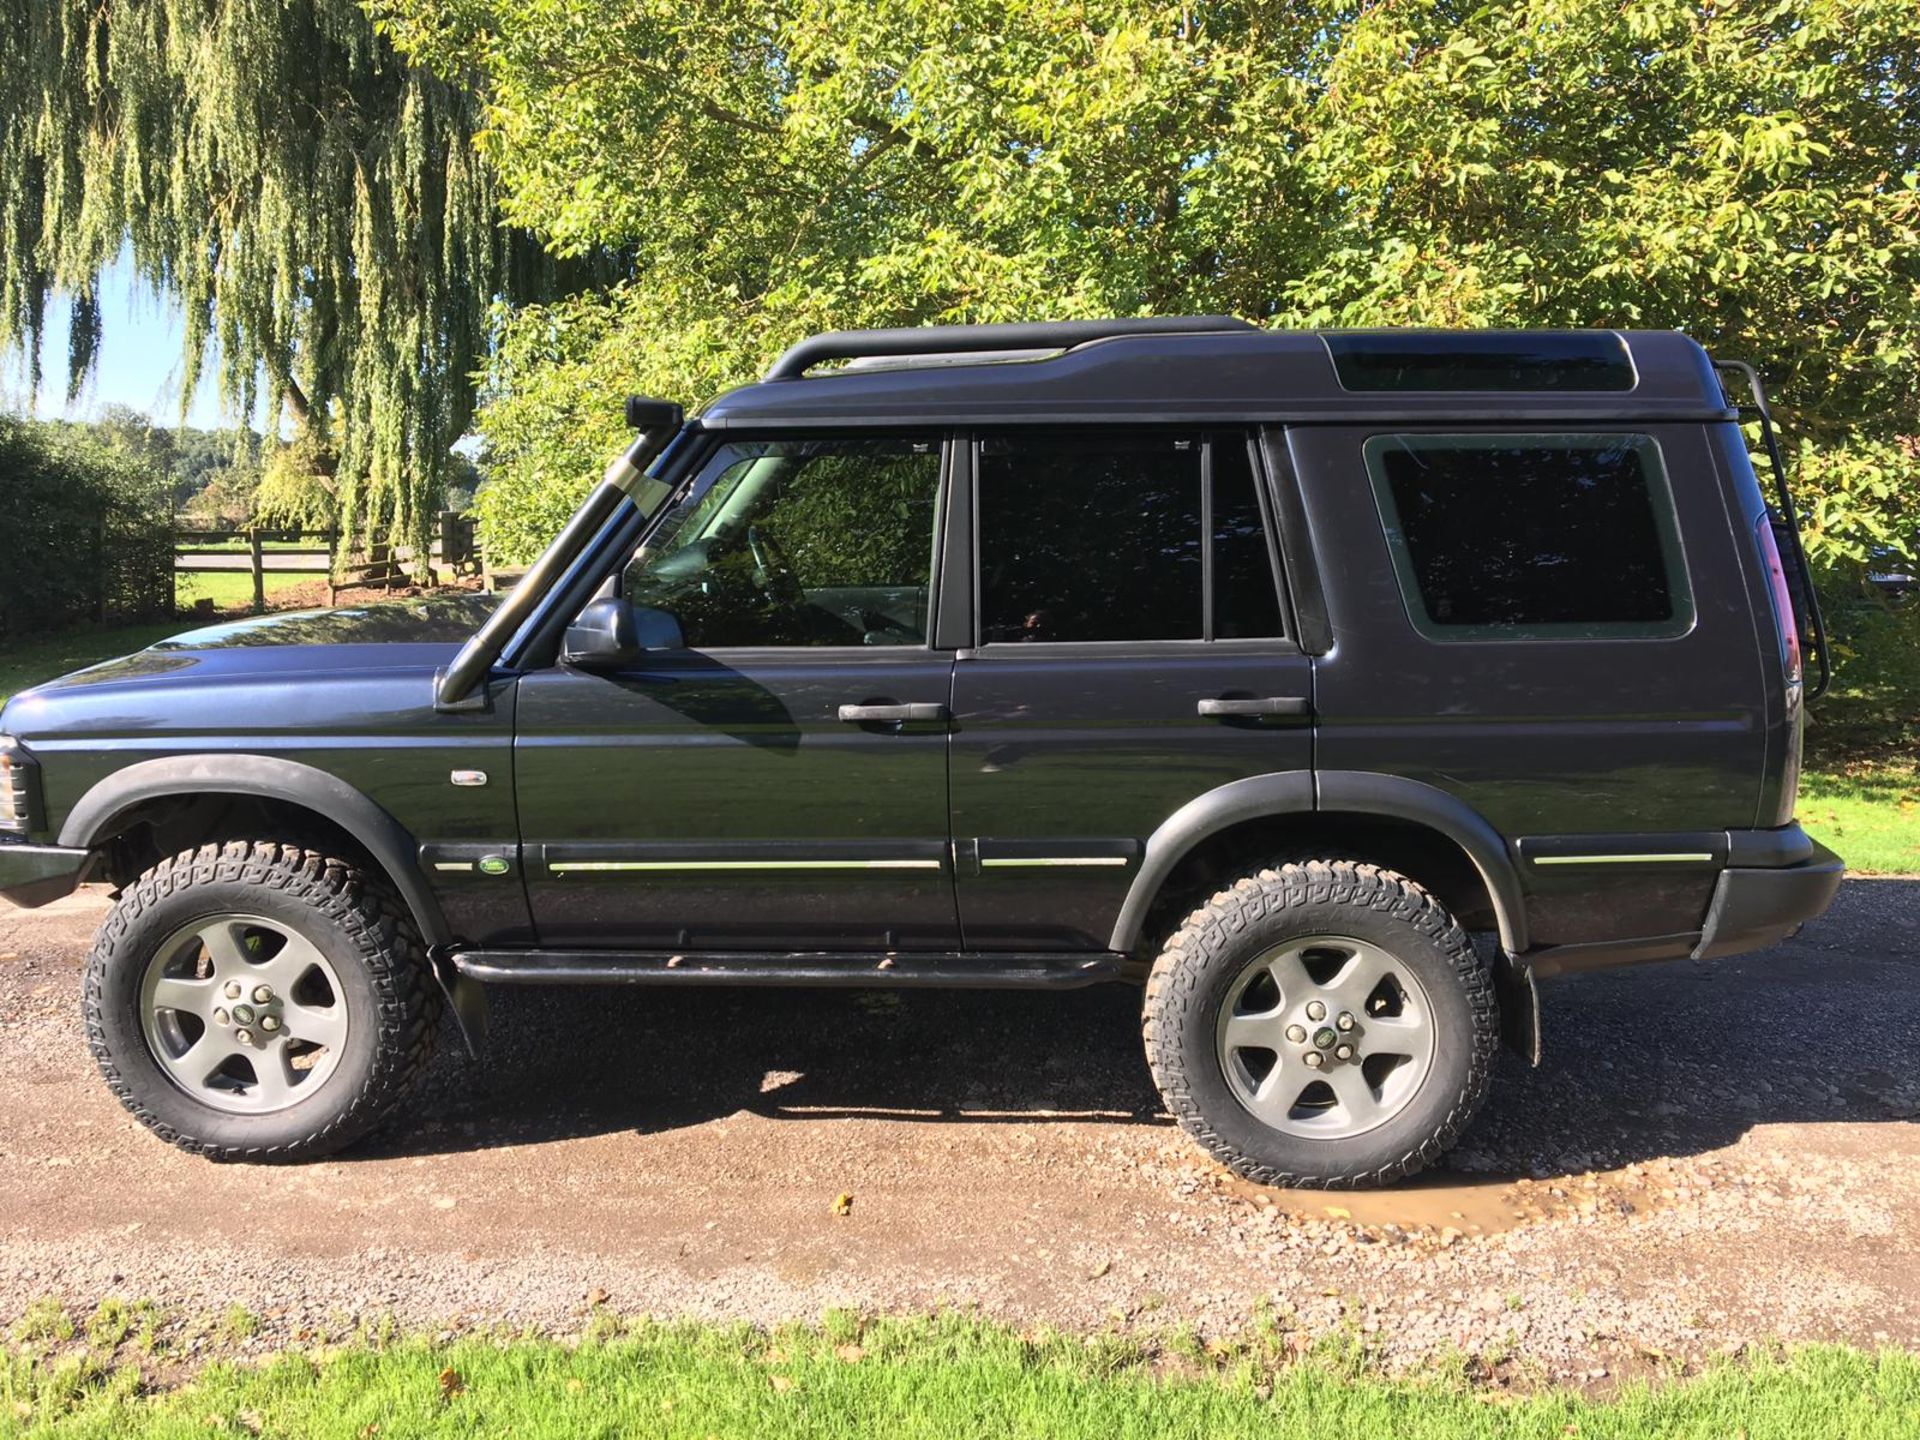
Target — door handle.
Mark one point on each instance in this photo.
(1296, 706)
(891, 714)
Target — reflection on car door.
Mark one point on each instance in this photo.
(780, 782)
(1134, 655)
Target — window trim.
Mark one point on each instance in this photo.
(1303, 598)
(1263, 493)
(1209, 436)
(1206, 538)
(950, 627)
(1660, 497)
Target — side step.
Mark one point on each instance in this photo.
(951, 970)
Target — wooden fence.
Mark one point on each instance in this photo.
(263, 552)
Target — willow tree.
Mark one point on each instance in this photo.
(1747, 170)
(315, 203)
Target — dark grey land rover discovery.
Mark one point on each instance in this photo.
(1333, 686)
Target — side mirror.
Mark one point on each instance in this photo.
(612, 632)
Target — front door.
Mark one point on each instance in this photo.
(778, 782)
(1133, 654)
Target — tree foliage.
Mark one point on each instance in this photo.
(314, 201)
(298, 488)
(1746, 170)
(191, 459)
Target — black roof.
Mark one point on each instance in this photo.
(1215, 369)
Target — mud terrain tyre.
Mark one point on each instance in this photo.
(259, 1001)
(1322, 1024)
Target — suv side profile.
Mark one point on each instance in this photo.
(1331, 686)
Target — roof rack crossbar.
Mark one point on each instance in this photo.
(957, 339)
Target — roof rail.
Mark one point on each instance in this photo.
(956, 339)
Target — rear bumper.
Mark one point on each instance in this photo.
(1754, 906)
(33, 875)
(1767, 884)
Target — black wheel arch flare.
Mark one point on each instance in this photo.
(1352, 792)
(98, 815)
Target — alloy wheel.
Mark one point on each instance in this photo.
(1325, 1037)
(244, 1013)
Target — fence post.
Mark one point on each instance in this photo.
(259, 576)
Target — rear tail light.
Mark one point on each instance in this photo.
(1785, 621)
(1787, 627)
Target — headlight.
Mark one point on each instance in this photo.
(17, 777)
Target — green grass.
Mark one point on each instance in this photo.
(1867, 810)
(1860, 791)
(230, 589)
(25, 663)
(908, 1379)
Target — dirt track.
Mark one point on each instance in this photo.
(1752, 1122)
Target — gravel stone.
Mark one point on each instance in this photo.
(1713, 1155)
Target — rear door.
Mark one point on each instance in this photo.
(1131, 653)
(779, 782)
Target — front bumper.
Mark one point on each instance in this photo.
(1754, 906)
(33, 875)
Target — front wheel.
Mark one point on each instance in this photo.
(1322, 1024)
(259, 1001)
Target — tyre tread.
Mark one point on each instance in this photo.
(408, 1009)
(1176, 976)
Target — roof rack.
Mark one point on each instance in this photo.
(958, 339)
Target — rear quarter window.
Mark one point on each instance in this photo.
(1517, 537)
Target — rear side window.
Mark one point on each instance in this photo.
(1532, 536)
(1104, 536)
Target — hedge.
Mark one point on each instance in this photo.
(86, 531)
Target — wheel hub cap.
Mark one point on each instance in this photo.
(1325, 1037)
(243, 1013)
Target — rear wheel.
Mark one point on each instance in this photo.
(259, 1001)
(1325, 1023)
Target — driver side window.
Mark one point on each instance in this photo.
(798, 542)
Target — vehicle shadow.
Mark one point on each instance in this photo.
(1660, 1060)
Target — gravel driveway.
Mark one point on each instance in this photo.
(1711, 1153)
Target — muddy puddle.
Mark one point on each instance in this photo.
(1449, 1207)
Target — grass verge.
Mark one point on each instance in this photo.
(230, 589)
(940, 1377)
(1868, 811)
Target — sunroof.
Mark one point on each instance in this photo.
(1510, 360)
